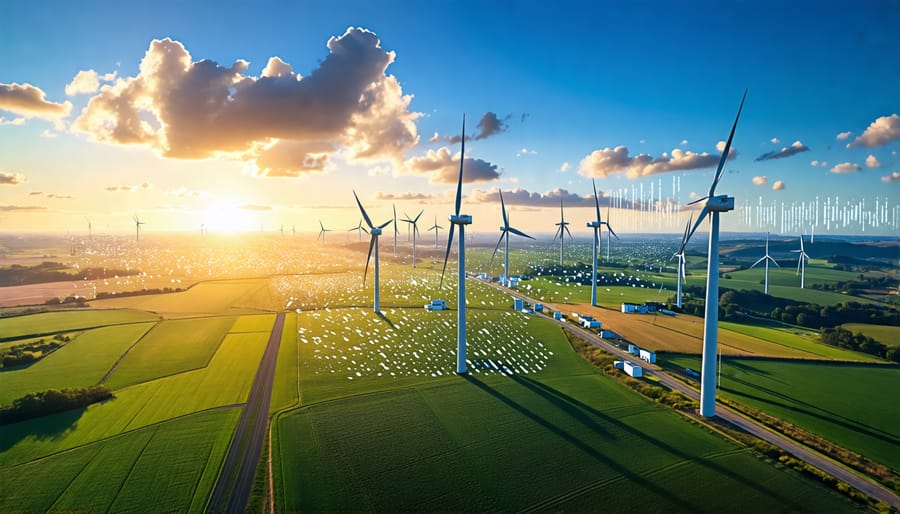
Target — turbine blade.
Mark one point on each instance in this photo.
(774, 262)
(596, 200)
(519, 232)
(611, 231)
(502, 233)
(462, 159)
(557, 234)
(698, 200)
(503, 209)
(419, 216)
(718, 176)
(363, 211)
(449, 245)
(395, 218)
(386, 223)
(568, 231)
(757, 262)
(700, 219)
(371, 245)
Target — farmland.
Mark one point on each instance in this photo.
(843, 403)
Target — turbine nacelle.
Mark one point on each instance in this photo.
(462, 219)
(720, 203)
(375, 231)
(593, 224)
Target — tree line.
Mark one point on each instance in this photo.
(26, 353)
(47, 271)
(51, 401)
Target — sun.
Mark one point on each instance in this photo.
(228, 216)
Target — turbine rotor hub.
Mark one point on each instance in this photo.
(720, 203)
(375, 231)
(593, 224)
(461, 219)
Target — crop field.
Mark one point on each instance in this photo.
(286, 388)
(83, 361)
(171, 347)
(214, 297)
(844, 403)
(125, 473)
(444, 442)
(887, 335)
(798, 338)
(66, 321)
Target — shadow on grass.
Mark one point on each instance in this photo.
(386, 320)
(44, 428)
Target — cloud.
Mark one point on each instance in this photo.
(129, 189)
(775, 141)
(488, 125)
(58, 196)
(893, 177)
(28, 101)
(255, 207)
(444, 169)
(822, 164)
(409, 197)
(35, 193)
(564, 167)
(435, 138)
(684, 142)
(281, 123)
(778, 185)
(606, 162)
(525, 151)
(845, 167)
(760, 180)
(872, 161)
(794, 149)
(523, 197)
(84, 82)
(843, 135)
(14, 121)
(880, 132)
(8, 208)
(47, 133)
(11, 178)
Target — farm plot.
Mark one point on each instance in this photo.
(214, 297)
(887, 335)
(798, 338)
(81, 362)
(67, 321)
(172, 346)
(168, 467)
(844, 403)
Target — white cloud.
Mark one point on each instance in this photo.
(443, 168)
(435, 138)
(14, 121)
(609, 161)
(49, 134)
(778, 186)
(564, 167)
(872, 161)
(845, 167)
(760, 180)
(30, 101)
(775, 140)
(11, 179)
(129, 189)
(795, 148)
(843, 135)
(893, 177)
(880, 132)
(684, 142)
(821, 164)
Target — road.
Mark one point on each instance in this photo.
(749, 425)
(239, 470)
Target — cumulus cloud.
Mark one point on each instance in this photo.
(520, 196)
(564, 167)
(872, 161)
(880, 132)
(788, 151)
(255, 207)
(14, 121)
(280, 122)
(488, 125)
(778, 185)
(775, 140)
(845, 167)
(843, 135)
(129, 189)
(11, 178)
(443, 168)
(525, 151)
(684, 142)
(893, 177)
(760, 180)
(8, 208)
(409, 197)
(435, 138)
(821, 164)
(609, 161)
(86, 82)
(30, 101)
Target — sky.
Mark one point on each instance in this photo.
(262, 115)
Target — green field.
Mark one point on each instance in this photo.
(66, 321)
(83, 361)
(214, 297)
(848, 404)
(798, 338)
(550, 433)
(171, 347)
(884, 334)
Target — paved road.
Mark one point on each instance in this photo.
(246, 447)
(749, 425)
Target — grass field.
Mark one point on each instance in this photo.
(887, 335)
(67, 321)
(847, 404)
(166, 467)
(214, 297)
(483, 442)
(171, 347)
(286, 388)
(81, 362)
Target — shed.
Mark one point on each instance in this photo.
(632, 369)
(518, 304)
(647, 355)
(618, 364)
(629, 307)
(557, 315)
(539, 307)
(634, 349)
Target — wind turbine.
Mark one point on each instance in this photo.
(801, 263)
(436, 229)
(90, 230)
(415, 229)
(359, 228)
(682, 261)
(595, 224)
(561, 232)
(137, 228)
(373, 243)
(766, 258)
(462, 220)
(322, 231)
(395, 228)
(715, 204)
(505, 230)
(611, 232)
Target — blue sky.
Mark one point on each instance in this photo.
(563, 82)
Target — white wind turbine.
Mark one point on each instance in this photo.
(505, 230)
(561, 231)
(611, 232)
(395, 228)
(801, 263)
(322, 231)
(766, 258)
(462, 220)
(373, 243)
(715, 204)
(682, 261)
(436, 229)
(415, 230)
(596, 224)
(359, 228)
(137, 228)
(90, 230)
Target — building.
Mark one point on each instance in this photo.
(632, 369)
(647, 355)
(619, 364)
(518, 304)
(634, 349)
(609, 334)
(436, 305)
(557, 315)
(539, 307)
(590, 323)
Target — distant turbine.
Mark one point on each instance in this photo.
(359, 228)
(801, 263)
(682, 261)
(561, 232)
(596, 224)
(373, 243)
(462, 220)
(715, 205)
(415, 230)
(202, 228)
(611, 232)
(505, 230)
(90, 230)
(137, 228)
(812, 234)
(293, 230)
(436, 229)
(766, 258)
(395, 228)
(322, 231)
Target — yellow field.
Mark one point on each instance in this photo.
(215, 297)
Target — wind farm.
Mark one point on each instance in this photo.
(146, 367)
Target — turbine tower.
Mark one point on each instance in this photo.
(462, 220)
(611, 232)
(682, 261)
(415, 229)
(766, 258)
(801, 263)
(359, 229)
(137, 228)
(90, 230)
(436, 229)
(373, 243)
(395, 228)
(595, 224)
(561, 231)
(715, 204)
(505, 230)
(322, 231)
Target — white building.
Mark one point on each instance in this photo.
(633, 369)
(647, 355)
